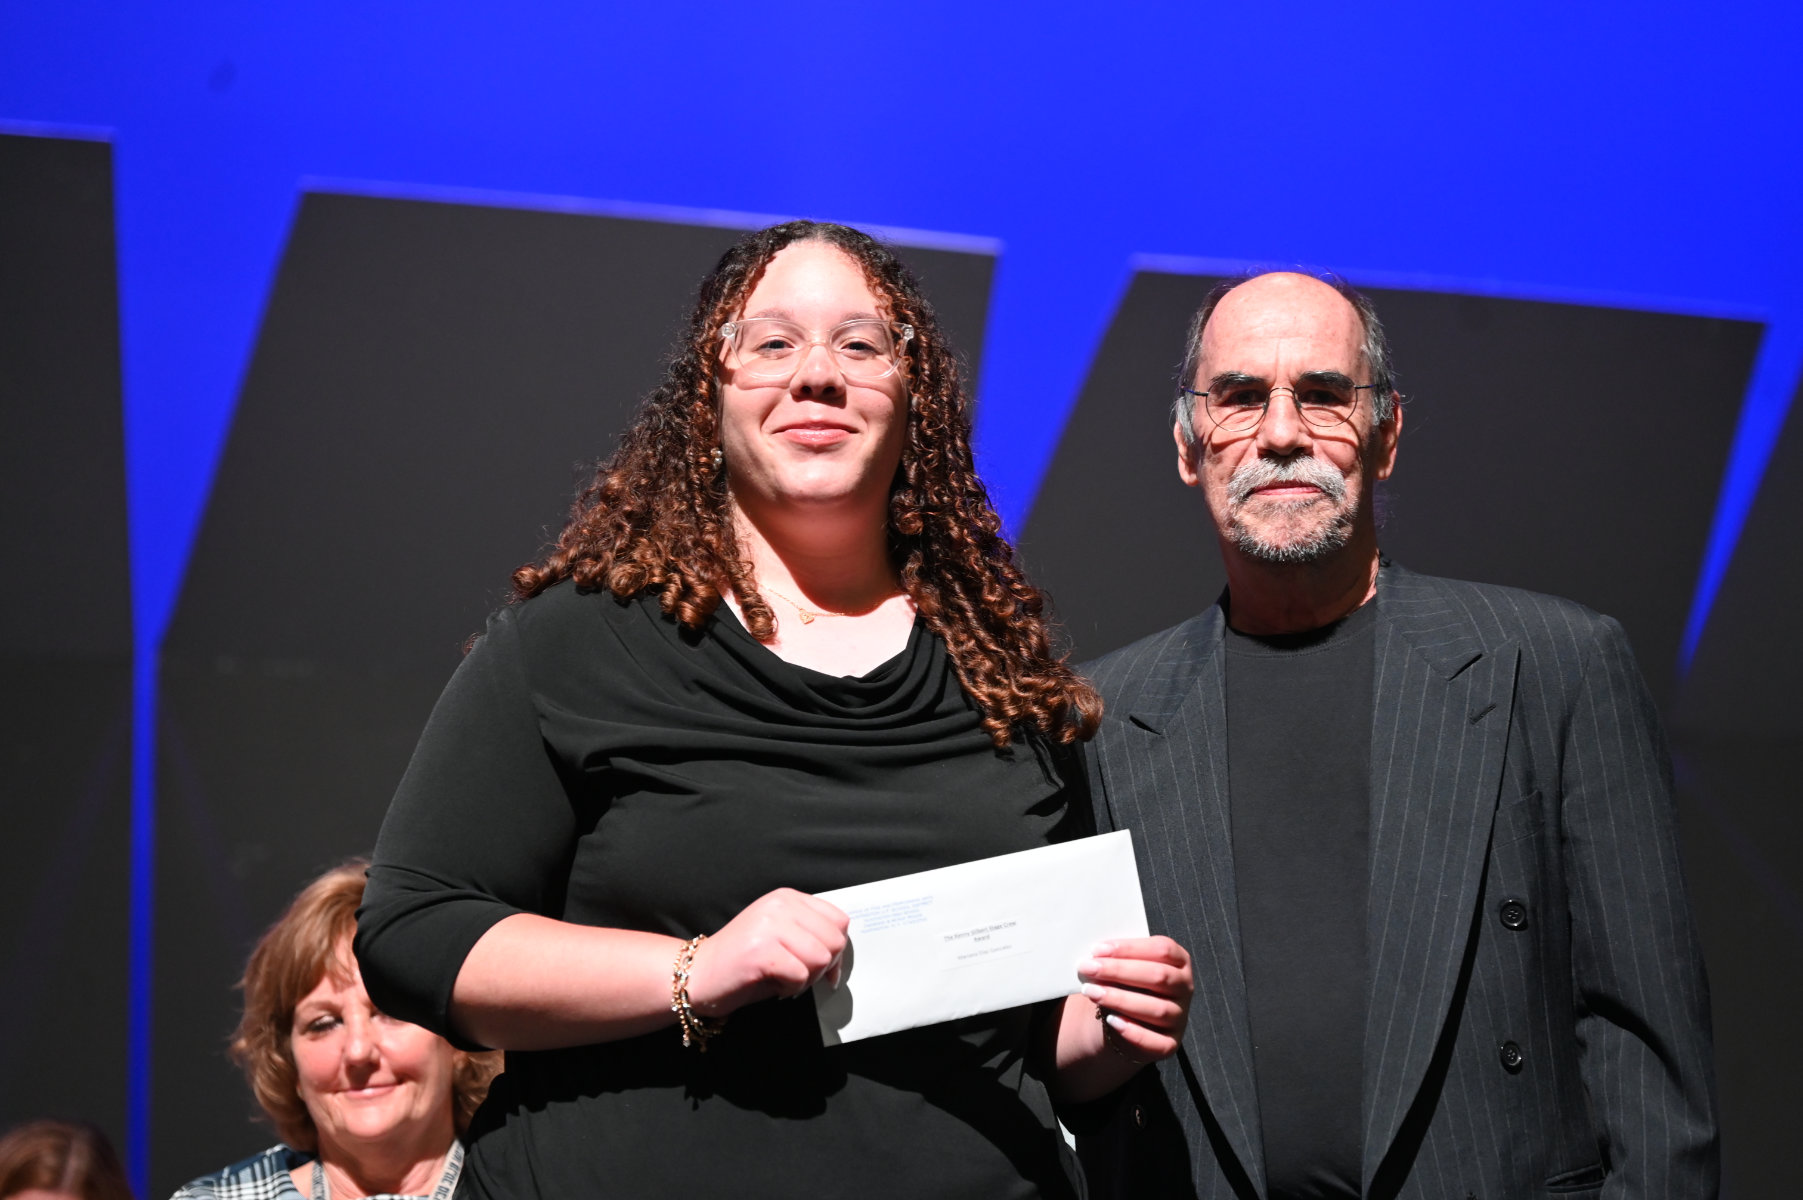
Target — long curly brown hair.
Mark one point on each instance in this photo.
(657, 514)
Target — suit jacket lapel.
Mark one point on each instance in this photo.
(1444, 704)
(1167, 780)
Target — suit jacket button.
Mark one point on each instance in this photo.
(1514, 913)
(1139, 1116)
(1511, 1057)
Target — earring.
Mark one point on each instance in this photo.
(717, 456)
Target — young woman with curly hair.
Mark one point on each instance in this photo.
(779, 648)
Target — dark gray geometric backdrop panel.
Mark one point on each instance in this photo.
(430, 383)
(1737, 729)
(65, 640)
(1744, 680)
(1114, 536)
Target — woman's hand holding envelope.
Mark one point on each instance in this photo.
(1141, 989)
(777, 945)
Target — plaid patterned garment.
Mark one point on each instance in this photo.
(262, 1176)
(266, 1176)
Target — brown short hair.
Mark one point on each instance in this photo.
(308, 941)
(61, 1156)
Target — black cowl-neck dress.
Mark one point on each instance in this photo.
(593, 761)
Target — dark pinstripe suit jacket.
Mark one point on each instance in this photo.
(1558, 1046)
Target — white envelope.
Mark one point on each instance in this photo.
(978, 937)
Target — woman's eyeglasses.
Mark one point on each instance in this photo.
(770, 350)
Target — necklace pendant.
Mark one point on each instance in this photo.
(807, 618)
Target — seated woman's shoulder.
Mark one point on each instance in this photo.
(265, 1176)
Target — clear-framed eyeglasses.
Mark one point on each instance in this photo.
(769, 350)
(1322, 401)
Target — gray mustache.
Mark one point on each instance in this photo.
(1264, 472)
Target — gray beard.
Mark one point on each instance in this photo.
(1314, 545)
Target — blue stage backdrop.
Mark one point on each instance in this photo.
(359, 252)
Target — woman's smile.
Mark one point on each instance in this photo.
(817, 434)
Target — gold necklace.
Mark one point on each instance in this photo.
(808, 614)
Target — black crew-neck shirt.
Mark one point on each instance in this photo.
(1299, 709)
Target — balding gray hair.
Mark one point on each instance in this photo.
(1375, 350)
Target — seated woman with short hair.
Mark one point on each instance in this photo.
(366, 1105)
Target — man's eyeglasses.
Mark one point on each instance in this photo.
(1323, 401)
(769, 350)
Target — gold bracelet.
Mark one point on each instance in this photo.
(696, 1029)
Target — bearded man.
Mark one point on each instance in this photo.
(1417, 833)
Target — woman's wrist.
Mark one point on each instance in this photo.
(696, 1028)
(705, 996)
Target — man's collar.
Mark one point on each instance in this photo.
(1421, 610)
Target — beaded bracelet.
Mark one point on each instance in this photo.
(696, 1029)
(1111, 1038)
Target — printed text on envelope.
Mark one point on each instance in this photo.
(986, 941)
